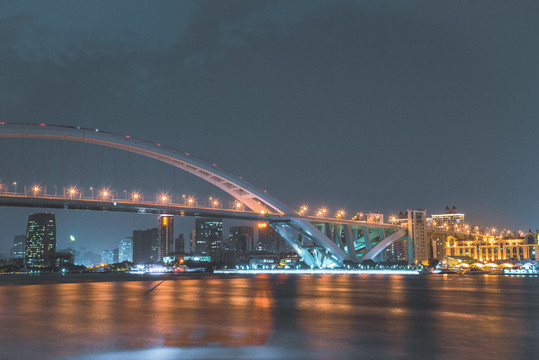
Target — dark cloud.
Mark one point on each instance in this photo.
(373, 105)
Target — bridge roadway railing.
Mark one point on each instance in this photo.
(359, 240)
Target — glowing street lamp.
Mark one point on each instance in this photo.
(322, 212)
(35, 190)
(72, 191)
(135, 196)
(340, 214)
(105, 193)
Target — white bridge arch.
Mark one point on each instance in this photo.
(321, 252)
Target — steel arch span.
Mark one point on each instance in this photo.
(316, 248)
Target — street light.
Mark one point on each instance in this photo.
(72, 191)
(163, 197)
(105, 193)
(35, 190)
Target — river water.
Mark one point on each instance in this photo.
(269, 317)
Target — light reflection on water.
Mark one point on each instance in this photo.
(273, 317)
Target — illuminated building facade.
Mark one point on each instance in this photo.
(451, 220)
(208, 235)
(397, 252)
(417, 230)
(145, 246)
(109, 256)
(270, 241)
(40, 240)
(166, 236)
(490, 248)
(125, 250)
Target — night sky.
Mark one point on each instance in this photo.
(362, 105)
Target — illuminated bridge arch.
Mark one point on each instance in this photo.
(320, 252)
(255, 199)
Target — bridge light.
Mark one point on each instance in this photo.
(105, 193)
(72, 191)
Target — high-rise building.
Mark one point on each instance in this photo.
(18, 251)
(241, 238)
(109, 256)
(451, 220)
(192, 239)
(145, 246)
(417, 231)
(125, 250)
(179, 245)
(269, 240)
(166, 236)
(208, 235)
(397, 252)
(40, 240)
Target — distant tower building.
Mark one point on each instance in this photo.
(40, 240)
(419, 245)
(270, 241)
(451, 220)
(125, 250)
(208, 235)
(109, 256)
(166, 236)
(192, 239)
(145, 246)
(241, 238)
(179, 245)
(397, 252)
(18, 251)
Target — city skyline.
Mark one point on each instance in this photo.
(385, 112)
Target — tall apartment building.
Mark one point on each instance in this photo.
(241, 238)
(125, 250)
(179, 244)
(40, 240)
(417, 231)
(208, 235)
(451, 220)
(145, 246)
(270, 241)
(166, 236)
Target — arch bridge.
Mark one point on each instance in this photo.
(320, 242)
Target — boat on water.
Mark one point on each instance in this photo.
(477, 271)
(450, 271)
